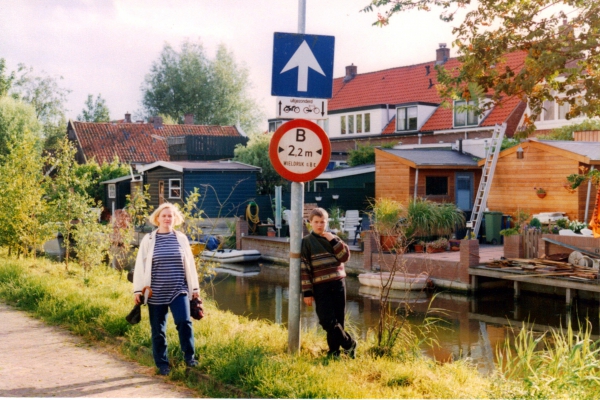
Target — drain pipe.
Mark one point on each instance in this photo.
(587, 199)
(416, 182)
(419, 135)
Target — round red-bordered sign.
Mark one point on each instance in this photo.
(300, 150)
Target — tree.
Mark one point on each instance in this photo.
(66, 192)
(95, 111)
(95, 173)
(364, 154)
(256, 152)
(187, 82)
(562, 59)
(17, 120)
(5, 81)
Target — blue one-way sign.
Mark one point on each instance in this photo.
(302, 65)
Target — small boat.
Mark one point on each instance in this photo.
(230, 256)
(400, 281)
(403, 296)
(238, 270)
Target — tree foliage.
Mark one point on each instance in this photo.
(17, 121)
(5, 80)
(562, 59)
(96, 173)
(95, 110)
(256, 152)
(188, 82)
(566, 132)
(363, 154)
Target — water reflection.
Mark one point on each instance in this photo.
(475, 325)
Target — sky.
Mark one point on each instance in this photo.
(108, 46)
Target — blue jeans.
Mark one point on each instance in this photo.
(180, 309)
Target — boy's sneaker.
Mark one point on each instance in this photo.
(351, 352)
(192, 363)
(164, 370)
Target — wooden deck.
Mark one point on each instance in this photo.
(570, 284)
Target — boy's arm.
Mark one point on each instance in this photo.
(340, 249)
(306, 272)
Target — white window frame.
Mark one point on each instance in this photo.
(112, 191)
(315, 185)
(468, 114)
(171, 188)
(367, 127)
(406, 119)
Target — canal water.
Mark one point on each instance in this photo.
(473, 326)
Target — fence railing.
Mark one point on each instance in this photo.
(531, 238)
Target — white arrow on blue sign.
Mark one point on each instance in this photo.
(302, 65)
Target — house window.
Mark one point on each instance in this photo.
(320, 186)
(436, 185)
(174, 188)
(274, 125)
(549, 110)
(367, 122)
(350, 123)
(343, 124)
(359, 122)
(112, 191)
(406, 119)
(464, 118)
(161, 192)
(563, 109)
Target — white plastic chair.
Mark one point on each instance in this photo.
(351, 222)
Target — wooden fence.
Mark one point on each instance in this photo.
(530, 242)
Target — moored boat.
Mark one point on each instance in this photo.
(230, 256)
(400, 281)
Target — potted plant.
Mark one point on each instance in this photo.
(386, 215)
(454, 244)
(419, 247)
(437, 246)
(541, 193)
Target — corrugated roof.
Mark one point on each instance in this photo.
(587, 149)
(138, 143)
(434, 157)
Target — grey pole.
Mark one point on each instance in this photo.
(297, 205)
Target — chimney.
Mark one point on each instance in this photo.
(127, 118)
(442, 54)
(188, 119)
(157, 121)
(350, 72)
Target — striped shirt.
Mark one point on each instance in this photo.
(168, 274)
(321, 261)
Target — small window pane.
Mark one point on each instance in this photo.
(351, 124)
(359, 123)
(174, 188)
(367, 122)
(548, 110)
(411, 118)
(343, 125)
(471, 117)
(460, 118)
(112, 191)
(436, 186)
(563, 109)
(401, 119)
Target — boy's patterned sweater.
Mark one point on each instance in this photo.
(322, 261)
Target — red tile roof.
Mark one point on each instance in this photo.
(411, 84)
(138, 143)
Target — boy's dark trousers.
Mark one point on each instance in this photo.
(330, 299)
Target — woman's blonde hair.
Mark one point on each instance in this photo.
(177, 216)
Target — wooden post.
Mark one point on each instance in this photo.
(517, 287)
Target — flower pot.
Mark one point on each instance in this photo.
(388, 243)
(435, 250)
(271, 233)
(541, 195)
(419, 248)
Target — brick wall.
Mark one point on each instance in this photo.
(585, 243)
(513, 246)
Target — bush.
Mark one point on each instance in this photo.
(535, 223)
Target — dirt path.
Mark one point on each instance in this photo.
(42, 361)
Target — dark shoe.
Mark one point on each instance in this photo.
(351, 352)
(164, 370)
(192, 363)
(333, 354)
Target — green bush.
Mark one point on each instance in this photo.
(535, 223)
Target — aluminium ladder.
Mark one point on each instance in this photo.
(487, 175)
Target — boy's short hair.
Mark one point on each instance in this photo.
(318, 212)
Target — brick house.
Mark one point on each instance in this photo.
(402, 105)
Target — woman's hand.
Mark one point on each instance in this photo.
(138, 299)
(195, 295)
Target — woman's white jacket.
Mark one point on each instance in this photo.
(142, 274)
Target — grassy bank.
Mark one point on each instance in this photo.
(248, 354)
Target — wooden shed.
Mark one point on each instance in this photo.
(544, 164)
(225, 186)
(440, 175)
(116, 191)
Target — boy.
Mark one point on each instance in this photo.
(322, 272)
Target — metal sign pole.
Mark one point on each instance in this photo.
(297, 205)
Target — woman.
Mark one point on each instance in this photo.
(165, 264)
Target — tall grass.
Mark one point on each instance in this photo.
(560, 363)
(249, 354)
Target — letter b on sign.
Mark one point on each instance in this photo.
(300, 135)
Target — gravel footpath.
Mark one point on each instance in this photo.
(37, 360)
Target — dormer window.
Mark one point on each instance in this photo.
(464, 118)
(406, 119)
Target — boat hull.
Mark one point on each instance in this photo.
(400, 281)
(230, 256)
